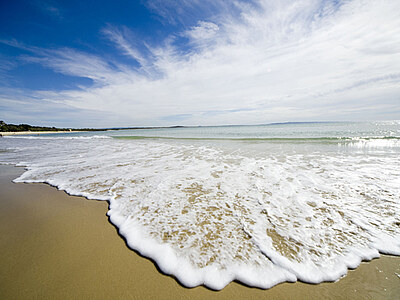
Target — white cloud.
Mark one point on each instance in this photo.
(278, 61)
(202, 34)
(118, 37)
(188, 12)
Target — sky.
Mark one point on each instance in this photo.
(198, 62)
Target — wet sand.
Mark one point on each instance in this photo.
(56, 246)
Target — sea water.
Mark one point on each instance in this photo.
(258, 204)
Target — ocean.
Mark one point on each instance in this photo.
(258, 204)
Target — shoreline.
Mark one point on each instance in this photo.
(8, 133)
(54, 244)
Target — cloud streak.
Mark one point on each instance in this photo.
(272, 61)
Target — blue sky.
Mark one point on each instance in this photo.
(192, 62)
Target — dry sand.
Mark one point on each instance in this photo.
(55, 246)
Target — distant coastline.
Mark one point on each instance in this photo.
(21, 129)
(11, 129)
(8, 133)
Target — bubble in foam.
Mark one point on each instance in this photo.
(209, 215)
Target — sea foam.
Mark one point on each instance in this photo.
(211, 213)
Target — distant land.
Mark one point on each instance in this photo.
(4, 127)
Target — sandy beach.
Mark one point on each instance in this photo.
(56, 246)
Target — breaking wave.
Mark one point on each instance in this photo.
(209, 211)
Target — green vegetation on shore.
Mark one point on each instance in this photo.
(4, 127)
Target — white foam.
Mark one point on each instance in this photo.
(373, 143)
(210, 214)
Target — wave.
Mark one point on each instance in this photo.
(278, 139)
(356, 142)
(209, 215)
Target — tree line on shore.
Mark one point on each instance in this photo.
(4, 127)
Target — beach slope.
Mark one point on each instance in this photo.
(56, 246)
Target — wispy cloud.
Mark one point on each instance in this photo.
(50, 8)
(5, 66)
(74, 63)
(203, 34)
(188, 11)
(116, 36)
(270, 61)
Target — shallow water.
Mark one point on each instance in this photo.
(260, 204)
